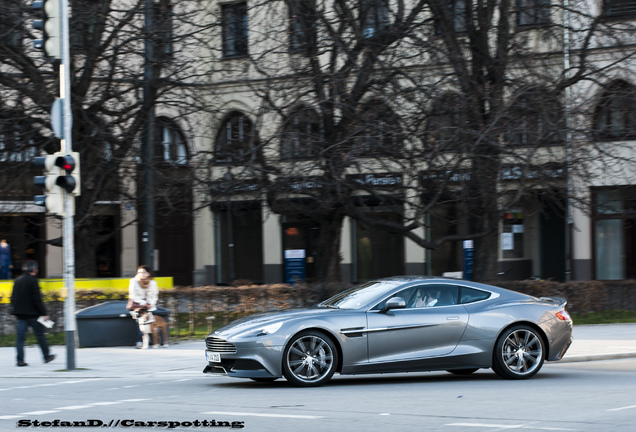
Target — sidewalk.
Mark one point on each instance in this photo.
(591, 342)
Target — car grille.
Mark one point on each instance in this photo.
(219, 345)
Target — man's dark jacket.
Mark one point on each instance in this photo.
(26, 298)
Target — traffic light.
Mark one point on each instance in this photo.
(70, 164)
(51, 26)
(61, 175)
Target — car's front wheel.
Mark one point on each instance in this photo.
(519, 353)
(310, 359)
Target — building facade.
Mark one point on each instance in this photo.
(239, 224)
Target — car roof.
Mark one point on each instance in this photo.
(445, 279)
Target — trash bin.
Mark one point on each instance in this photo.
(109, 324)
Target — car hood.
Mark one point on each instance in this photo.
(264, 318)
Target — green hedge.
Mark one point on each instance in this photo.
(582, 296)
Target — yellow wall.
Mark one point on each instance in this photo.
(106, 285)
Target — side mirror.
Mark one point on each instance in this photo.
(394, 303)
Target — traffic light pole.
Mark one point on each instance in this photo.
(68, 224)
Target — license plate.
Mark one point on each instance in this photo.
(213, 357)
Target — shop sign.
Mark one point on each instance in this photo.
(383, 180)
(234, 187)
(449, 176)
(548, 171)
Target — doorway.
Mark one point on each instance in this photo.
(302, 235)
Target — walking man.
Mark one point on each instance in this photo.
(27, 304)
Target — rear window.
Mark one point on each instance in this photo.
(471, 295)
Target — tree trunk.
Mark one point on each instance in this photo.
(485, 216)
(85, 251)
(485, 267)
(328, 249)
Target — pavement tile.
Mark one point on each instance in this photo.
(591, 342)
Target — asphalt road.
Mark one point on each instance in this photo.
(579, 396)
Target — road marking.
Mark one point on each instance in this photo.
(50, 384)
(73, 407)
(70, 407)
(239, 414)
(501, 426)
(39, 412)
(488, 425)
(622, 408)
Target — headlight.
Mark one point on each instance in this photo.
(262, 331)
(272, 328)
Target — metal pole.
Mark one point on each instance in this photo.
(147, 145)
(568, 142)
(69, 207)
(230, 242)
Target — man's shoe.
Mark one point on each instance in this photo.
(22, 364)
(50, 358)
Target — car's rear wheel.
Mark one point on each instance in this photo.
(310, 359)
(519, 353)
(463, 371)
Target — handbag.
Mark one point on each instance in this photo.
(131, 305)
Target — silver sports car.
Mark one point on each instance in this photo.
(398, 324)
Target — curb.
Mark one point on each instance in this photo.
(596, 357)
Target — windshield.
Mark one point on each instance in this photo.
(360, 295)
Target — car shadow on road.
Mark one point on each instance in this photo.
(484, 375)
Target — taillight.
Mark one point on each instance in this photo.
(563, 315)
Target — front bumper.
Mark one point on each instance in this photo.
(251, 358)
(238, 368)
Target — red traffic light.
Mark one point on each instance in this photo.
(67, 163)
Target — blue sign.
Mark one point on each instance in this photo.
(294, 266)
(468, 259)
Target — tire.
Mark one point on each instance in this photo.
(310, 359)
(463, 371)
(519, 353)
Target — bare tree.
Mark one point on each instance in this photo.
(469, 106)
(108, 39)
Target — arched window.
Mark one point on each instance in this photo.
(446, 127)
(377, 131)
(236, 141)
(536, 118)
(302, 135)
(616, 113)
(170, 145)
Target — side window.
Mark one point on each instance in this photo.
(406, 294)
(434, 295)
(471, 295)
